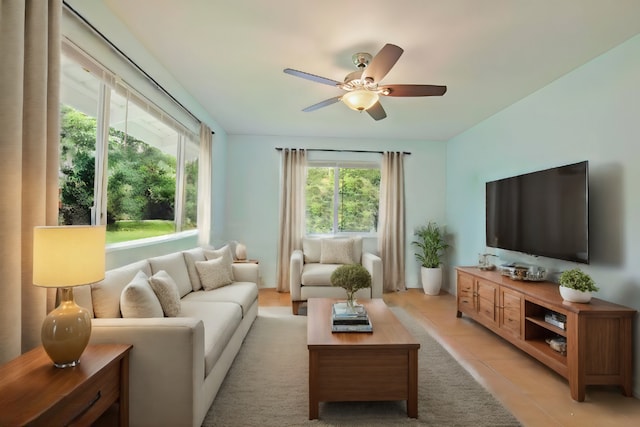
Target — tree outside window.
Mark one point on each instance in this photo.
(342, 199)
(149, 191)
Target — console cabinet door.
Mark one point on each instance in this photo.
(510, 311)
(466, 294)
(487, 297)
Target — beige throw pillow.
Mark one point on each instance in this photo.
(213, 273)
(336, 251)
(224, 253)
(138, 299)
(311, 248)
(167, 292)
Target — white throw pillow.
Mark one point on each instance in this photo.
(336, 251)
(213, 273)
(138, 299)
(167, 292)
(224, 253)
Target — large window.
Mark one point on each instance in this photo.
(123, 161)
(342, 199)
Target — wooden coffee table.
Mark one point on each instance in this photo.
(355, 366)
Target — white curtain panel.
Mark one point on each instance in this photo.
(204, 185)
(391, 222)
(29, 119)
(292, 210)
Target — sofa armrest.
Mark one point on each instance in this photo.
(373, 264)
(167, 350)
(246, 272)
(295, 274)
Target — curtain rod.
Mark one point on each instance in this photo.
(125, 56)
(345, 151)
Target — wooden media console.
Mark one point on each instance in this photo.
(599, 343)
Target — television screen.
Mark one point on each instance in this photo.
(543, 213)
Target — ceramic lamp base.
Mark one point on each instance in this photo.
(66, 331)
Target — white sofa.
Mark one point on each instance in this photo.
(177, 364)
(311, 269)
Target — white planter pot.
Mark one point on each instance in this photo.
(573, 295)
(431, 280)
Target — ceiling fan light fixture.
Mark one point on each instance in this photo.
(360, 99)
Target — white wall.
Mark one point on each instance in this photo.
(252, 195)
(589, 114)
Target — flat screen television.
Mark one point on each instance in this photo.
(543, 213)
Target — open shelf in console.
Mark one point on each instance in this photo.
(537, 331)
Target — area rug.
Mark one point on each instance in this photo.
(268, 385)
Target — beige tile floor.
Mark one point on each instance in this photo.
(535, 394)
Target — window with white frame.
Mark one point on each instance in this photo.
(124, 162)
(342, 198)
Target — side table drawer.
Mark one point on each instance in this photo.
(86, 403)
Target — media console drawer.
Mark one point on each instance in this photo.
(516, 311)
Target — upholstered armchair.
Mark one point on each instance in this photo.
(311, 268)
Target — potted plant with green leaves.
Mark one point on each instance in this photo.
(576, 286)
(430, 246)
(352, 278)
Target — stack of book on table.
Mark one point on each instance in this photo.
(556, 319)
(346, 319)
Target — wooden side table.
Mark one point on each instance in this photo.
(34, 392)
(246, 261)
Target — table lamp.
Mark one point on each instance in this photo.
(64, 257)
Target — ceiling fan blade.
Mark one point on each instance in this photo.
(311, 77)
(376, 111)
(322, 104)
(415, 90)
(382, 63)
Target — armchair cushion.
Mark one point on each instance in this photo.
(311, 248)
(316, 274)
(336, 251)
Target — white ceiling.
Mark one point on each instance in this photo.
(489, 53)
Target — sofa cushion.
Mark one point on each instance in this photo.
(105, 294)
(311, 248)
(190, 258)
(336, 251)
(243, 294)
(139, 300)
(175, 265)
(220, 322)
(317, 274)
(167, 292)
(214, 273)
(224, 253)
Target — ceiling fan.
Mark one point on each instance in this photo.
(363, 85)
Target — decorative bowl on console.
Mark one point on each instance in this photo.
(576, 286)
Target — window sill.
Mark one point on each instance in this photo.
(151, 241)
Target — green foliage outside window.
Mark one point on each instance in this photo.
(357, 199)
(141, 184)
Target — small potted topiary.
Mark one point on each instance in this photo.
(352, 278)
(576, 286)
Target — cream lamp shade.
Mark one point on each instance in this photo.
(64, 257)
(68, 255)
(360, 99)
